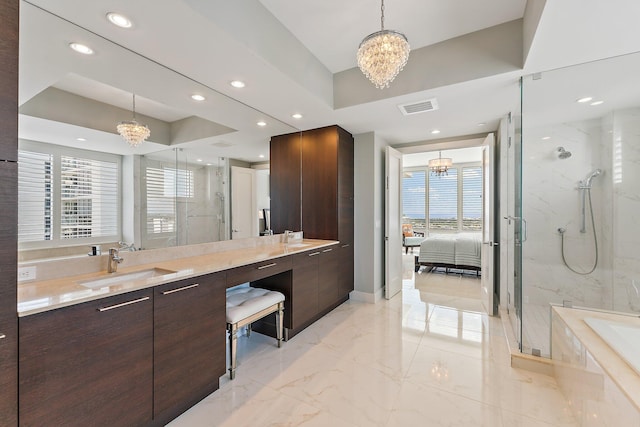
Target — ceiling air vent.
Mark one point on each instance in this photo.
(222, 144)
(419, 107)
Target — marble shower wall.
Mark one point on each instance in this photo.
(551, 200)
(625, 140)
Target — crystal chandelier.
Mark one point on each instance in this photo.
(133, 132)
(383, 54)
(440, 166)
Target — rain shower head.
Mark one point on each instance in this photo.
(563, 154)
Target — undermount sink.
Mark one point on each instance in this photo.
(117, 278)
(298, 245)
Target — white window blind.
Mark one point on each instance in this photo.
(414, 199)
(66, 194)
(88, 197)
(443, 201)
(164, 187)
(472, 198)
(35, 198)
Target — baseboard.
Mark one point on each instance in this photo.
(366, 296)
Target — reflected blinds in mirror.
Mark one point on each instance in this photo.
(164, 187)
(88, 198)
(35, 199)
(64, 197)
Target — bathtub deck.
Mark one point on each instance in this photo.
(590, 373)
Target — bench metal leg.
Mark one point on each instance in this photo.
(279, 323)
(249, 330)
(233, 349)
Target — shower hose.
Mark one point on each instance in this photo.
(595, 241)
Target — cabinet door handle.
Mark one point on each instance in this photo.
(314, 254)
(123, 304)
(327, 250)
(267, 266)
(184, 288)
(2, 336)
(346, 246)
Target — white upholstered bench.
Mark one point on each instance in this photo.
(246, 305)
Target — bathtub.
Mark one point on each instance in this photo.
(622, 337)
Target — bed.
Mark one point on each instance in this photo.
(460, 251)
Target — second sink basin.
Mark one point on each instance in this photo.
(298, 245)
(117, 278)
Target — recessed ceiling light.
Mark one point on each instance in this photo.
(80, 139)
(435, 131)
(261, 123)
(585, 99)
(119, 20)
(81, 48)
(261, 156)
(481, 124)
(197, 97)
(208, 164)
(597, 103)
(546, 137)
(237, 83)
(296, 116)
(198, 160)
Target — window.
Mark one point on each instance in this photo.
(472, 198)
(164, 187)
(414, 199)
(67, 196)
(35, 197)
(453, 201)
(443, 201)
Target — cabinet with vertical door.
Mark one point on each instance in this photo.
(188, 343)
(88, 364)
(324, 168)
(9, 19)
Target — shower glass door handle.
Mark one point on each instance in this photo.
(523, 226)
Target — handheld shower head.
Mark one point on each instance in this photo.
(587, 180)
(563, 154)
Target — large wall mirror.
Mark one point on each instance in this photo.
(81, 184)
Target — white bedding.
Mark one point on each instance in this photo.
(462, 249)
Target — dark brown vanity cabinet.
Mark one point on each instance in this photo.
(312, 190)
(189, 343)
(328, 290)
(304, 293)
(88, 364)
(8, 301)
(9, 19)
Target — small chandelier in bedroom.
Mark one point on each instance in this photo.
(383, 54)
(132, 131)
(441, 165)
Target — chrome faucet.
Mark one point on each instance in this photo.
(113, 260)
(287, 235)
(125, 247)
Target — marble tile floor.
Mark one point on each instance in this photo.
(427, 357)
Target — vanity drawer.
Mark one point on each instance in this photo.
(257, 271)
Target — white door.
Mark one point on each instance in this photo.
(393, 226)
(489, 242)
(244, 213)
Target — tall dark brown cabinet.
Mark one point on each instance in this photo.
(9, 19)
(312, 190)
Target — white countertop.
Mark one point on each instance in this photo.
(40, 296)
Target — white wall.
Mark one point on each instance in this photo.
(369, 152)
